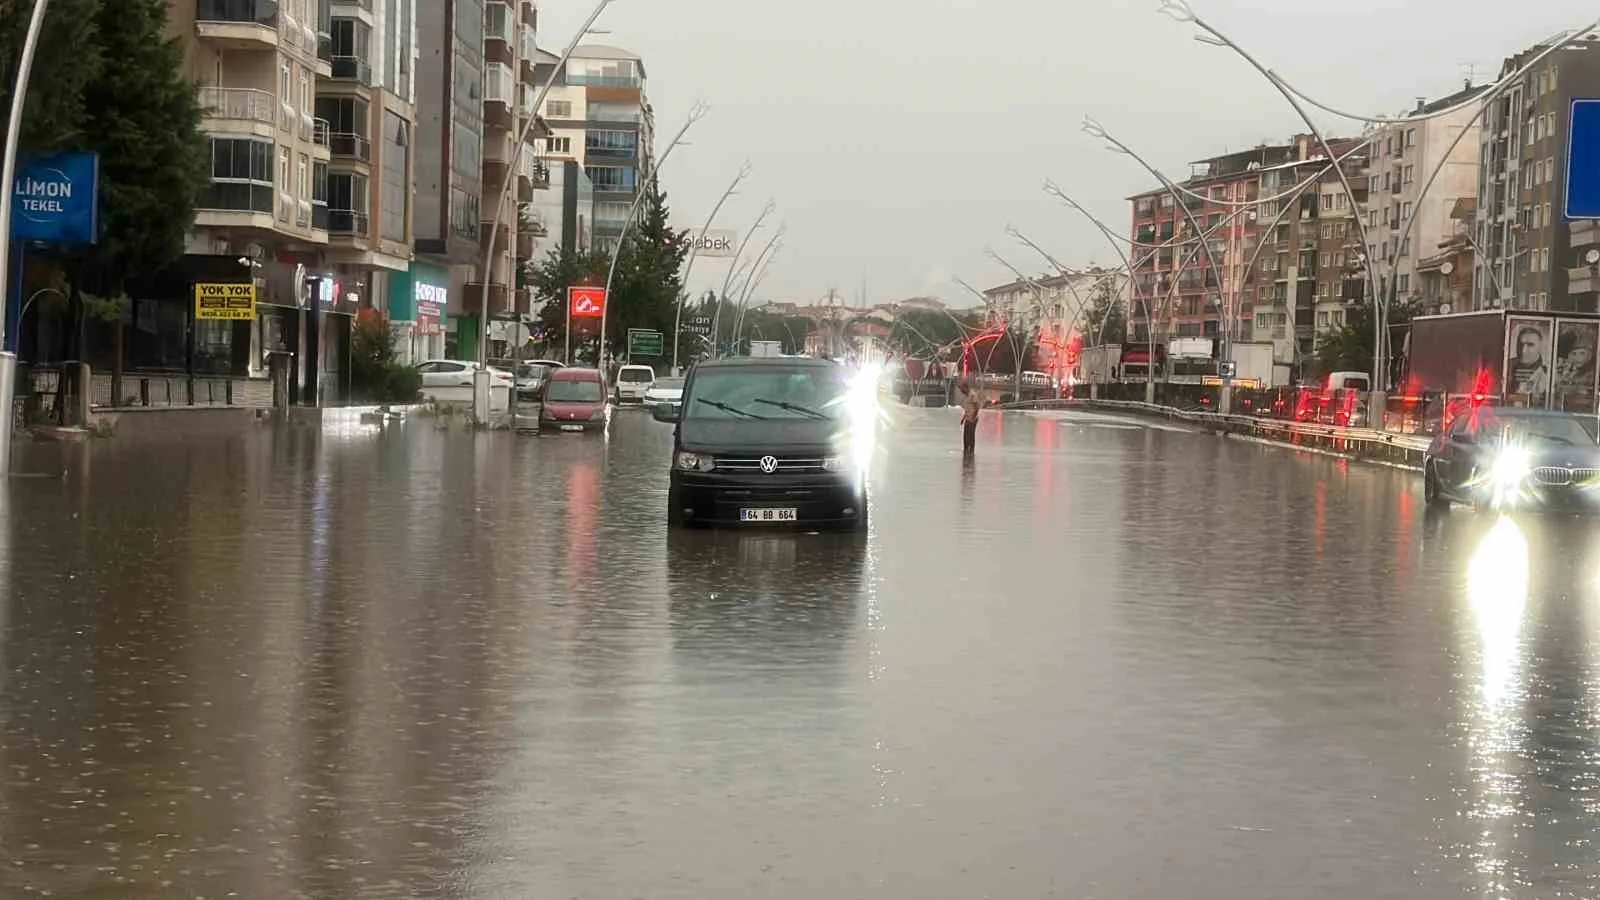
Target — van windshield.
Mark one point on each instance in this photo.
(768, 392)
(633, 376)
(564, 390)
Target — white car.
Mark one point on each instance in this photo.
(443, 373)
(664, 391)
(633, 382)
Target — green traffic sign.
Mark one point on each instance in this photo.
(644, 343)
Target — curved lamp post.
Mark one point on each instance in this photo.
(481, 378)
(1067, 275)
(716, 315)
(757, 270)
(694, 250)
(696, 112)
(8, 176)
(1180, 11)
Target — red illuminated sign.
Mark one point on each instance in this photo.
(586, 302)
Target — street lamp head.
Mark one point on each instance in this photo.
(1176, 10)
(1093, 128)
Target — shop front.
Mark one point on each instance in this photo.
(417, 302)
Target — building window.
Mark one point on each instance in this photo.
(561, 145)
(347, 203)
(241, 176)
(466, 157)
(558, 109)
(611, 178)
(623, 142)
(464, 213)
(319, 195)
(283, 182)
(1411, 137)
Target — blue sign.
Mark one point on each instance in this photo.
(57, 200)
(1582, 200)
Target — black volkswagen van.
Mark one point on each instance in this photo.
(769, 441)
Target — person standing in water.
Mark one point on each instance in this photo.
(970, 405)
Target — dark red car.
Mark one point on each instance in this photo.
(574, 400)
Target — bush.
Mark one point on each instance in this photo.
(375, 375)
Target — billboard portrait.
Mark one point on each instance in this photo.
(1528, 360)
(1575, 369)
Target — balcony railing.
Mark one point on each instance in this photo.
(528, 45)
(499, 23)
(351, 68)
(243, 104)
(347, 221)
(498, 84)
(319, 216)
(617, 81)
(320, 132)
(353, 146)
(243, 12)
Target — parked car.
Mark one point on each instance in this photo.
(664, 390)
(1509, 458)
(443, 373)
(532, 375)
(574, 400)
(765, 441)
(633, 382)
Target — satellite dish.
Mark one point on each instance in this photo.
(1592, 256)
(1446, 267)
(1444, 308)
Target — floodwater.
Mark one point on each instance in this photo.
(1104, 661)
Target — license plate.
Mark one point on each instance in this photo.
(572, 428)
(768, 514)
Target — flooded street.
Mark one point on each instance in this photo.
(1105, 661)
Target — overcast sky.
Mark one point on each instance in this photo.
(898, 138)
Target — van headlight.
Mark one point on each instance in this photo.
(835, 463)
(696, 462)
(1511, 468)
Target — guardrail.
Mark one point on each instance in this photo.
(1390, 448)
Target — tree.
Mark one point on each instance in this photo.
(550, 279)
(142, 116)
(1349, 347)
(1105, 321)
(645, 290)
(67, 59)
(375, 373)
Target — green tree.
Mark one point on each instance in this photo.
(550, 279)
(142, 115)
(1348, 348)
(649, 266)
(67, 59)
(375, 374)
(1105, 321)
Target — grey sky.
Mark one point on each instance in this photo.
(899, 137)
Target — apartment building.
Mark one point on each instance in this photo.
(1528, 255)
(1403, 156)
(1054, 307)
(566, 210)
(304, 103)
(600, 117)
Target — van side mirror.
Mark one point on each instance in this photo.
(665, 412)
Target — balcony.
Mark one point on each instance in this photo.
(527, 244)
(499, 95)
(350, 147)
(319, 216)
(351, 68)
(237, 24)
(604, 81)
(609, 152)
(348, 221)
(320, 133)
(528, 52)
(499, 33)
(499, 299)
(238, 105)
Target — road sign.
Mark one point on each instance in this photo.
(700, 325)
(1582, 200)
(586, 302)
(644, 342)
(57, 200)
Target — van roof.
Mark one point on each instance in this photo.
(573, 373)
(638, 366)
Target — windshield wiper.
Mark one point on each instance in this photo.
(726, 408)
(791, 407)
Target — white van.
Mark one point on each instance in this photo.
(633, 382)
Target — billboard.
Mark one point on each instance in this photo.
(225, 302)
(586, 302)
(1529, 351)
(1575, 369)
(56, 200)
(716, 243)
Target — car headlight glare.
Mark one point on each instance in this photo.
(696, 462)
(1511, 468)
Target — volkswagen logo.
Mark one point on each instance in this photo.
(769, 464)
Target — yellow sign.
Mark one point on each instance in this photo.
(224, 302)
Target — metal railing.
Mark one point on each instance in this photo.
(351, 145)
(242, 104)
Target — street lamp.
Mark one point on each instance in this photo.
(481, 377)
(716, 315)
(1095, 129)
(694, 250)
(757, 270)
(1067, 276)
(1180, 11)
(696, 112)
(8, 177)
